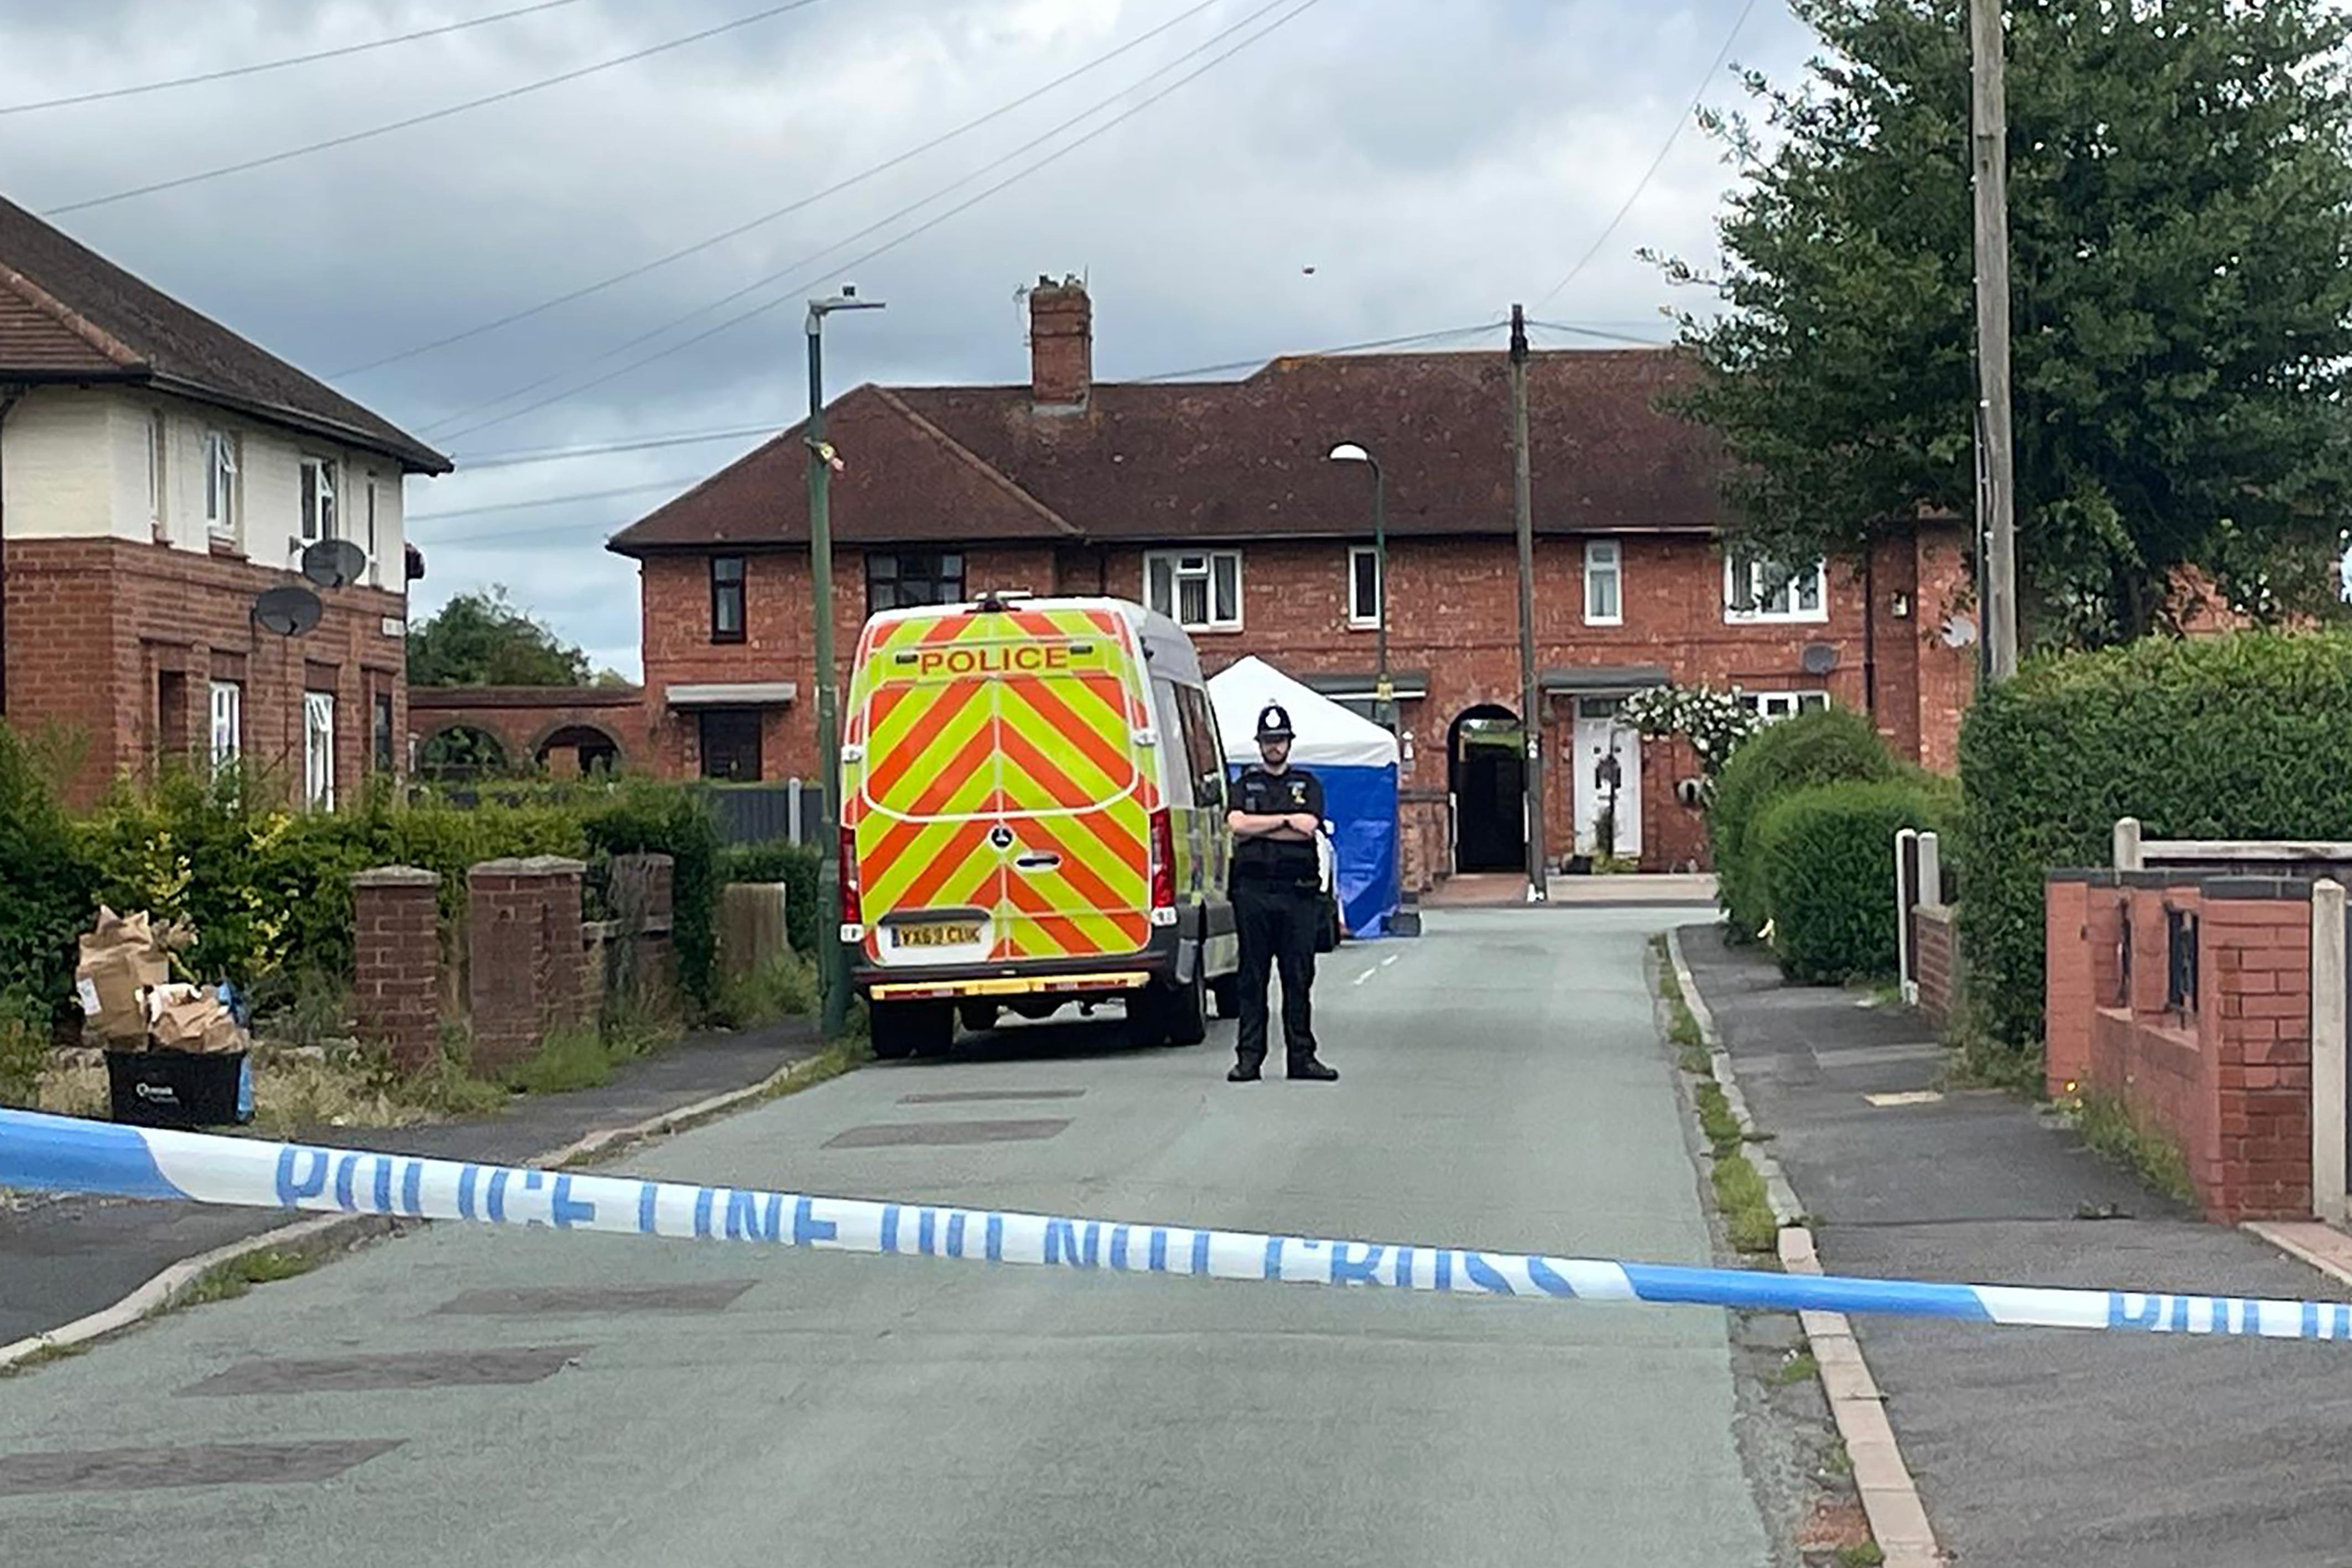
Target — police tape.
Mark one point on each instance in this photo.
(61, 1153)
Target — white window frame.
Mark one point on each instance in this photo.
(1746, 603)
(1604, 559)
(159, 439)
(227, 707)
(318, 499)
(1197, 566)
(318, 750)
(1774, 706)
(1358, 616)
(220, 485)
(374, 570)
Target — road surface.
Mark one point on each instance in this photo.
(526, 1399)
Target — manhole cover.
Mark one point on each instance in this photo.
(401, 1369)
(963, 1096)
(559, 1301)
(886, 1134)
(205, 1464)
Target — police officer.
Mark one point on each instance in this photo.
(1277, 812)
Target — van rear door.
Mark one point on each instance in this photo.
(1001, 812)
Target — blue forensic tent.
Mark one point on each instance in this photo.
(1356, 760)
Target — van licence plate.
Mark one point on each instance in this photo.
(936, 933)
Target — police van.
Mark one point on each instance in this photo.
(1033, 815)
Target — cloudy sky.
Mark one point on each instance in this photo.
(1431, 161)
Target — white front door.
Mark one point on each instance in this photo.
(1599, 737)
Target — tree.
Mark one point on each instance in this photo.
(2181, 232)
(483, 640)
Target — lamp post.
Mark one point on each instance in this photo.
(1383, 690)
(833, 955)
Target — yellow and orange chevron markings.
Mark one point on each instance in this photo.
(1020, 720)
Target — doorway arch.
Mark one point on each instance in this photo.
(577, 750)
(1485, 772)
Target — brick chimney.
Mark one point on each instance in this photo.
(1061, 344)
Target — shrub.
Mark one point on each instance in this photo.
(1827, 858)
(2244, 736)
(640, 817)
(795, 865)
(45, 897)
(1819, 748)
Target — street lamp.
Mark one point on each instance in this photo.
(1383, 690)
(834, 956)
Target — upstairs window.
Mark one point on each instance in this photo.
(318, 499)
(1759, 591)
(727, 599)
(1201, 590)
(894, 579)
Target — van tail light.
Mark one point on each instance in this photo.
(851, 911)
(1163, 861)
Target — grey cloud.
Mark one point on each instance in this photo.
(1431, 162)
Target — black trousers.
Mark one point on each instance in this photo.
(1277, 926)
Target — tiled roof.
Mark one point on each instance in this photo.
(1242, 459)
(67, 314)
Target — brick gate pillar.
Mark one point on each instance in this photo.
(526, 955)
(396, 952)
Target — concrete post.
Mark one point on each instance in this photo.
(2126, 842)
(2328, 1198)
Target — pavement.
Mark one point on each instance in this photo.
(532, 1398)
(2038, 1447)
(62, 1259)
(1503, 890)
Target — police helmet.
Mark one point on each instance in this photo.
(1274, 723)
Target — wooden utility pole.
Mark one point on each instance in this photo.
(1997, 508)
(1531, 711)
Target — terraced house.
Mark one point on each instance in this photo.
(159, 474)
(1219, 504)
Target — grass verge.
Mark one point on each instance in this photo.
(1740, 1190)
(2107, 1124)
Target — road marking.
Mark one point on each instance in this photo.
(1367, 974)
(1390, 959)
(1908, 1097)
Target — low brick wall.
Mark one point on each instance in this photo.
(2224, 1073)
(1935, 928)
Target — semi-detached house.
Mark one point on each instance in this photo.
(1217, 503)
(158, 474)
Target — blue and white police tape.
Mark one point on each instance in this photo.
(60, 1154)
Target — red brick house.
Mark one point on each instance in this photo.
(159, 473)
(1217, 503)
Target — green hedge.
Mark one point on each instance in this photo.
(1820, 748)
(1827, 855)
(2245, 736)
(267, 889)
(795, 865)
(44, 884)
(639, 817)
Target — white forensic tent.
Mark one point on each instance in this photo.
(1355, 760)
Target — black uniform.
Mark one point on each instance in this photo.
(1278, 899)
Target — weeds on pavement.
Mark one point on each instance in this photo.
(240, 1275)
(1979, 1062)
(783, 987)
(1861, 1554)
(1800, 1367)
(2107, 1124)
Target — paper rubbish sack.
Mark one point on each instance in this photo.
(122, 959)
(193, 1018)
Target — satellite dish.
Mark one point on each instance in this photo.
(1958, 632)
(333, 563)
(289, 611)
(1818, 658)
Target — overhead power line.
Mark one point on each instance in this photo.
(1656, 164)
(676, 484)
(1598, 333)
(258, 67)
(1321, 354)
(605, 448)
(416, 119)
(920, 229)
(785, 211)
(549, 453)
